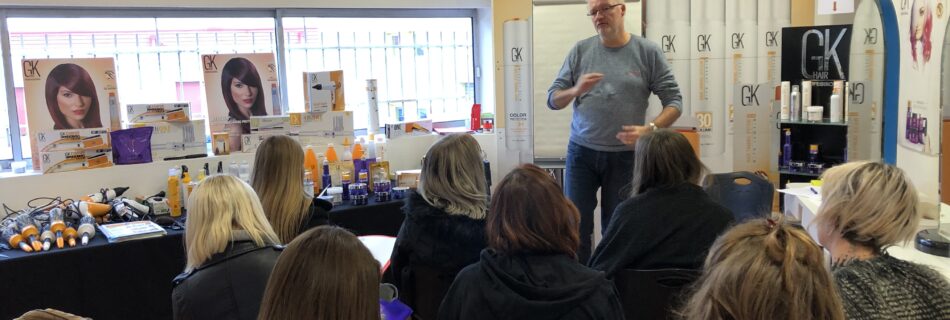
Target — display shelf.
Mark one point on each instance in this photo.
(808, 174)
(823, 122)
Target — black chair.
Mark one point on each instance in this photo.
(429, 286)
(744, 193)
(652, 294)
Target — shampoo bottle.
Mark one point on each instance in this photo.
(795, 104)
(834, 104)
(174, 192)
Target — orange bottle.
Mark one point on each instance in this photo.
(331, 154)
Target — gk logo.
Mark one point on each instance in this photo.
(856, 93)
(209, 62)
(31, 68)
(110, 75)
(750, 95)
(870, 36)
(516, 55)
(737, 42)
(702, 43)
(830, 54)
(668, 43)
(771, 39)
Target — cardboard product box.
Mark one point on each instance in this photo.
(178, 140)
(323, 91)
(75, 139)
(62, 161)
(238, 86)
(406, 129)
(408, 178)
(87, 97)
(274, 124)
(319, 129)
(154, 112)
(250, 142)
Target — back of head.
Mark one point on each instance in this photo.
(219, 205)
(763, 269)
(664, 158)
(868, 203)
(325, 273)
(529, 214)
(278, 180)
(453, 176)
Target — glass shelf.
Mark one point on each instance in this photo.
(807, 174)
(823, 122)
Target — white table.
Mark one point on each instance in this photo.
(805, 208)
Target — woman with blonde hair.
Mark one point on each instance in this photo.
(325, 273)
(444, 228)
(763, 269)
(230, 250)
(530, 270)
(867, 207)
(278, 179)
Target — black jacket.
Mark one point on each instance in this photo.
(661, 228)
(230, 285)
(433, 238)
(319, 215)
(530, 286)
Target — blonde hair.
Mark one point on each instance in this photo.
(763, 269)
(869, 203)
(453, 176)
(278, 180)
(220, 205)
(325, 273)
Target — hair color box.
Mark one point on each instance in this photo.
(272, 124)
(62, 161)
(66, 94)
(177, 140)
(250, 142)
(238, 86)
(323, 91)
(154, 112)
(70, 140)
(322, 128)
(412, 128)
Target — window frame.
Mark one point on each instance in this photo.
(274, 13)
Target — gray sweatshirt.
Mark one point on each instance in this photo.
(631, 73)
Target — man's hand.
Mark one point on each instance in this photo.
(630, 134)
(587, 82)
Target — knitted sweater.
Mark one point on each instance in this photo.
(888, 288)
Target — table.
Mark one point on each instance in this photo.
(133, 279)
(805, 209)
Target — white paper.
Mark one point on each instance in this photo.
(808, 192)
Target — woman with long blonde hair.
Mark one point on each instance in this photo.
(278, 179)
(764, 269)
(230, 250)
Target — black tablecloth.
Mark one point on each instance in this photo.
(131, 280)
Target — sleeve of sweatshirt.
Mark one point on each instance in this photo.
(454, 302)
(663, 83)
(400, 257)
(622, 242)
(565, 77)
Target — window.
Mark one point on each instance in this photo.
(157, 59)
(423, 66)
(6, 133)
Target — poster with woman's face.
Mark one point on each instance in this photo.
(65, 94)
(237, 87)
(922, 26)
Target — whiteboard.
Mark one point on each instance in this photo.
(556, 29)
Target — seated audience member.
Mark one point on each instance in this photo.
(867, 207)
(325, 273)
(278, 179)
(444, 228)
(762, 269)
(530, 270)
(230, 250)
(668, 221)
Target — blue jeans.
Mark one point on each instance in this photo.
(588, 170)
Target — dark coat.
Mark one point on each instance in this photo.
(435, 239)
(319, 215)
(530, 286)
(661, 228)
(230, 285)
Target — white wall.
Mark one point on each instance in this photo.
(418, 4)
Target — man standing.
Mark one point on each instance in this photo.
(609, 76)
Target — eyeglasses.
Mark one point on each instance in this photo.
(603, 10)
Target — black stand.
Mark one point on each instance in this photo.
(930, 241)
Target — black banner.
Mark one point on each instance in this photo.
(817, 53)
